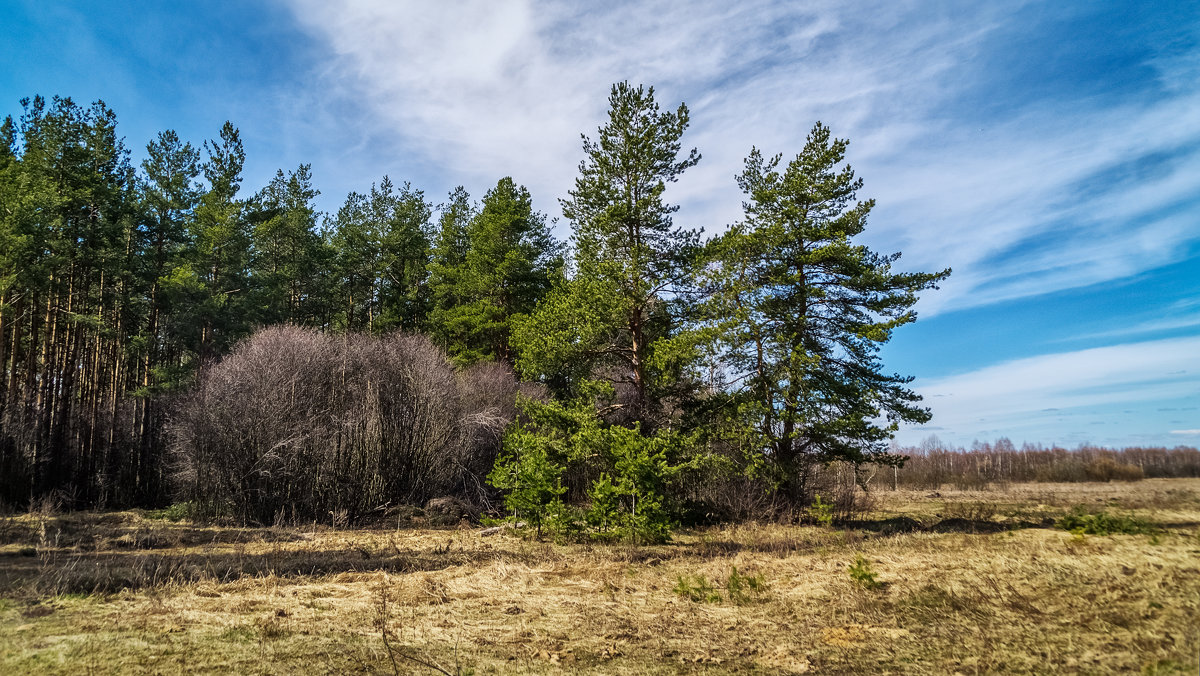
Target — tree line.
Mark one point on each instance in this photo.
(119, 284)
(642, 369)
(933, 464)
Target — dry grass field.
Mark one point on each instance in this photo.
(960, 582)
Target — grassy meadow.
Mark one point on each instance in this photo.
(924, 582)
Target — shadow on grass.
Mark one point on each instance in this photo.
(712, 549)
(56, 573)
(90, 531)
(905, 524)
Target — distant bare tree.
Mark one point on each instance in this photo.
(934, 464)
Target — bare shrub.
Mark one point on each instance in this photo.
(1108, 469)
(489, 393)
(294, 424)
(726, 496)
(843, 486)
(850, 481)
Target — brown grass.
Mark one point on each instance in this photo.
(971, 583)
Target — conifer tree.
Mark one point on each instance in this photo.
(614, 319)
(287, 252)
(803, 311)
(73, 215)
(447, 267)
(171, 196)
(402, 216)
(219, 279)
(510, 263)
(355, 243)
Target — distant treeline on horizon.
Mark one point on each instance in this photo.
(933, 464)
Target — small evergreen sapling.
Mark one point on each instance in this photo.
(532, 480)
(863, 575)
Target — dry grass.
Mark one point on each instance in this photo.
(971, 583)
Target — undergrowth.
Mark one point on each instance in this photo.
(863, 575)
(176, 512)
(739, 589)
(1081, 521)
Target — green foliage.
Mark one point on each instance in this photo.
(178, 511)
(526, 470)
(696, 588)
(626, 494)
(641, 472)
(616, 318)
(380, 249)
(862, 574)
(739, 589)
(821, 512)
(1081, 521)
(803, 310)
(287, 253)
(564, 338)
(404, 215)
(447, 265)
(743, 589)
(508, 264)
(604, 512)
(214, 289)
(120, 286)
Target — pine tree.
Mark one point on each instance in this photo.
(447, 267)
(170, 196)
(804, 311)
(354, 239)
(402, 217)
(616, 317)
(287, 252)
(380, 245)
(219, 294)
(72, 216)
(510, 263)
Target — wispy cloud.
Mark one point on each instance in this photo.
(1035, 395)
(1150, 326)
(1021, 196)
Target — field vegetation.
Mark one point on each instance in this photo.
(1024, 578)
(249, 437)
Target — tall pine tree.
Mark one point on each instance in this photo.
(403, 217)
(616, 317)
(287, 252)
(510, 264)
(447, 268)
(219, 279)
(804, 310)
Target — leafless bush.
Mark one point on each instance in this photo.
(846, 486)
(489, 394)
(295, 424)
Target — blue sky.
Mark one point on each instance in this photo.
(1049, 152)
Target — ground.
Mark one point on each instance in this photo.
(952, 582)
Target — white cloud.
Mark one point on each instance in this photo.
(1152, 326)
(1191, 433)
(1038, 396)
(482, 89)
